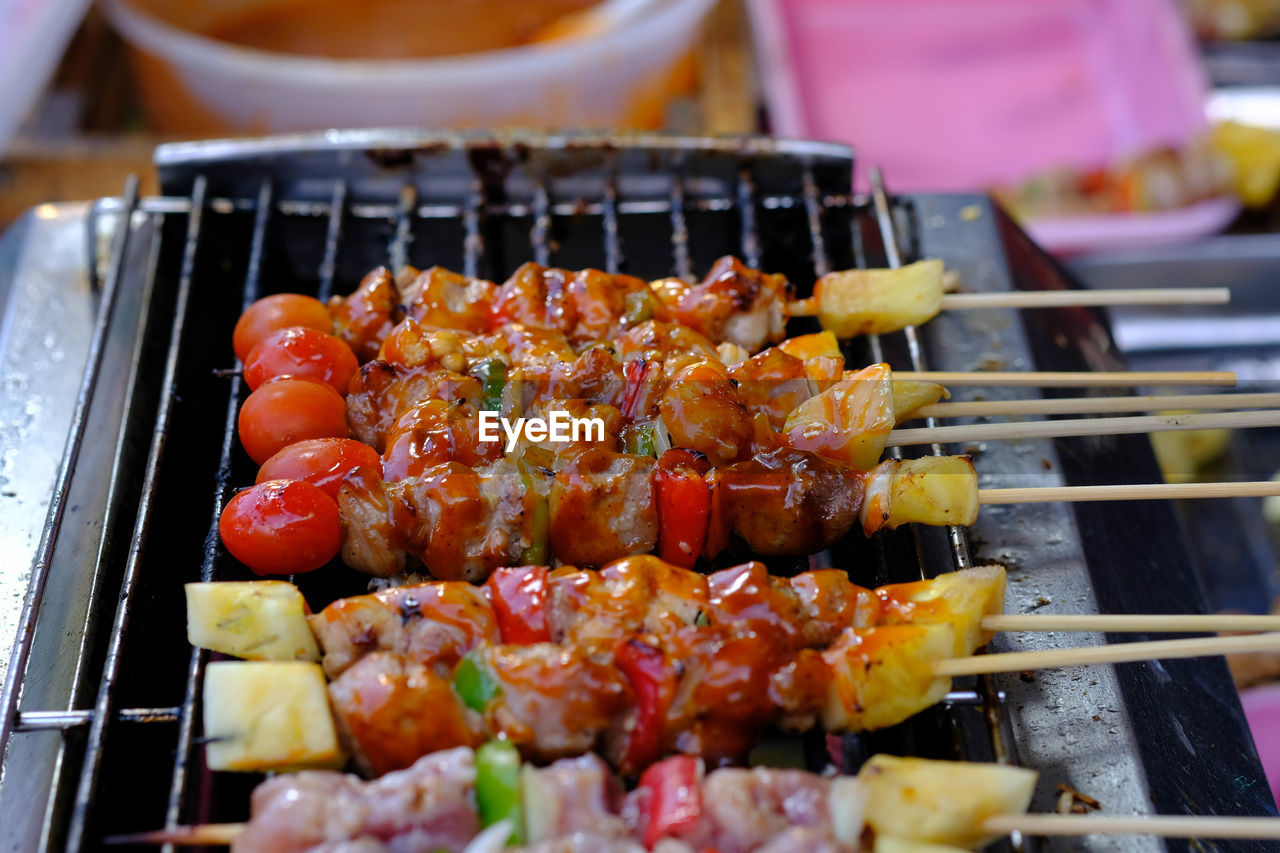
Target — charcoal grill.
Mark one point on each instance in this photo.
(99, 720)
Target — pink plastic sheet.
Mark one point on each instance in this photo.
(964, 94)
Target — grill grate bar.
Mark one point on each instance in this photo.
(332, 239)
(71, 456)
(612, 240)
(540, 234)
(398, 252)
(813, 210)
(111, 668)
(747, 212)
(679, 229)
(184, 749)
(373, 210)
(43, 721)
(473, 239)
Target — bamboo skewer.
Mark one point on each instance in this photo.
(1082, 426)
(1193, 647)
(1087, 298)
(200, 835)
(1121, 623)
(1129, 492)
(1164, 826)
(1071, 379)
(1097, 405)
(1059, 299)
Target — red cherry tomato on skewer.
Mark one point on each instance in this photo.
(321, 462)
(285, 411)
(272, 313)
(281, 528)
(301, 353)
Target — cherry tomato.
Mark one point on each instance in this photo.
(322, 462)
(303, 354)
(285, 411)
(272, 313)
(281, 528)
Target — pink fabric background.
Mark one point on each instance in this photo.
(962, 94)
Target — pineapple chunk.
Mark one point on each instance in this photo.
(881, 676)
(934, 490)
(261, 716)
(871, 302)
(256, 620)
(941, 802)
(909, 395)
(889, 844)
(850, 421)
(817, 345)
(960, 598)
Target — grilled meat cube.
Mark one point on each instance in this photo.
(390, 711)
(433, 624)
(602, 508)
(789, 501)
(554, 701)
(461, 523)
(733, 303)
(381, 392)
(365, 317)
(368, 538)
(438, 297)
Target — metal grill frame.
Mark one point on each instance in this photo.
(354, 159)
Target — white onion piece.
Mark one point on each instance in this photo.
(493, 839)
(847, 801)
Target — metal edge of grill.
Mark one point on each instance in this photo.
(386, 190)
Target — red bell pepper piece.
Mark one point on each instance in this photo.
(653, 682)
(518, 595)
(634, 400)
(675, 798)
(684, 507)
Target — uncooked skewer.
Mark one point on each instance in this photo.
(1123, 623)
(1071, 379)
(1164, 826)
(1129, 492)
(1193, 647)
(1060, 299)
(1096, 405)
(1082, 426)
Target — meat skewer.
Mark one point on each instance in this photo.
(453, 799)
(635, 661)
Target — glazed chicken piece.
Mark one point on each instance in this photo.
(381, 392)
(448, 300)
(431, 433)
(789, 501)
(382, 705)
(602, 508)
(433, 624)
(363, 319)
(733, 304)
(461, 522)
(585, 306)
(369, 543)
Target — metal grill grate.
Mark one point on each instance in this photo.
(239, 221)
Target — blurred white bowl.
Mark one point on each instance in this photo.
(618, 77)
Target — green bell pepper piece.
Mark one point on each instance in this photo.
(638, 307)
(492, 374)
(474, 683)
(498, 787)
